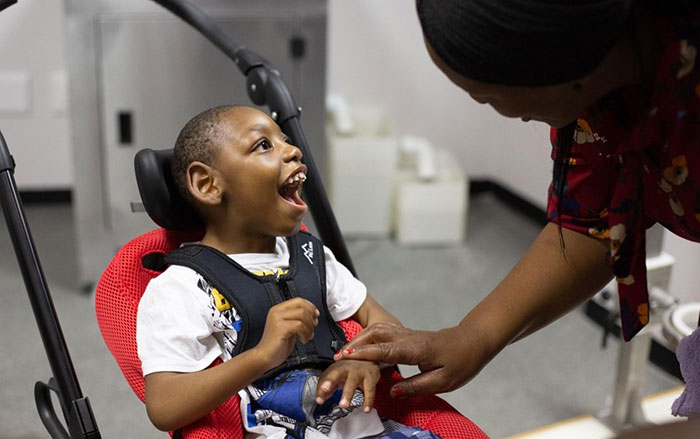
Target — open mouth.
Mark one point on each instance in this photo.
(291, 189)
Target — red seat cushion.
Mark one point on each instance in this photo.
(116, 302)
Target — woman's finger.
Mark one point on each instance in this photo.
(403, 350)
(433, 381)
(373, 334)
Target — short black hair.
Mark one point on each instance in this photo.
(199, 140)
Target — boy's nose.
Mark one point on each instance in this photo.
(291, 152)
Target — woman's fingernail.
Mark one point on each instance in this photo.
(367, 409)
(337, 353)
(319, 400)
(343, 403)
(397, 392)
(349, 351)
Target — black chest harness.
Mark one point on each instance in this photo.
(252, 296)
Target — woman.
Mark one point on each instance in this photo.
(618, 83)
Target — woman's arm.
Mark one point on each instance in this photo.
(545, 284)
(542, 286)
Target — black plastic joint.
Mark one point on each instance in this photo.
(247, 59)
(256, 84)
(7, 163)
(279, 99)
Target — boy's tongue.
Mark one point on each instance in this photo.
(290, 193)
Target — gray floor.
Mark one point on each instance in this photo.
(556, 374)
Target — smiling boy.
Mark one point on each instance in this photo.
(238, 170)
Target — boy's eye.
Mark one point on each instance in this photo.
(263, 146)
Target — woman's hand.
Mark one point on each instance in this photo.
(350, 375)
(448, 358)
(543, 285)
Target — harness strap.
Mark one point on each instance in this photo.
(253, 296)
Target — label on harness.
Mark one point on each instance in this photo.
(309, 251)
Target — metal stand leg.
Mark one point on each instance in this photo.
(625, 409)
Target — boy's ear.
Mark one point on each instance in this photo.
(204, 184)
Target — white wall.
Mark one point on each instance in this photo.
(377, 56)
(685, 274)
(32, 45)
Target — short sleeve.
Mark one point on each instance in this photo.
(588, 186)
(173, 333)
(344, 292)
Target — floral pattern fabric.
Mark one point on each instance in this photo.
(635, 161)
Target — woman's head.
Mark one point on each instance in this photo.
(524, 57)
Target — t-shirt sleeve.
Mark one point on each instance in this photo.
(344, 292)
(587, 190)
(173, 333)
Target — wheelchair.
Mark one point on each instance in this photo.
(136, 263)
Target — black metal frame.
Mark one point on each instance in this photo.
(76, 408)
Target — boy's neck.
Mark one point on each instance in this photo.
(234, 242)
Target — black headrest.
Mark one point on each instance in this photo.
(159, 193)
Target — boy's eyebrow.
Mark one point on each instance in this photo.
(262, 128)
(257, 127)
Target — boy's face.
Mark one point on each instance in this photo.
(261, 174)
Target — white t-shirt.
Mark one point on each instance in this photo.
(180, 328)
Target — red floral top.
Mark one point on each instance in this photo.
(636, 162)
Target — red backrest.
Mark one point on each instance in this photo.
(116, 301)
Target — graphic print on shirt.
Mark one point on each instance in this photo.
(224, 317)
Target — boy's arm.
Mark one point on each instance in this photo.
(175, 399)
(372, 312)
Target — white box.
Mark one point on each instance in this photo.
(362, 171)
(432, 212)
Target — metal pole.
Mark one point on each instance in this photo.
(44, 312)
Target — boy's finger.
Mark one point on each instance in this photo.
(327, 384)
(302, 329)
(368, 388)
(351, 384)
(323, 390)
(298, 301)
(299, 313)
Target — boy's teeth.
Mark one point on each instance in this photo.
(297, 178)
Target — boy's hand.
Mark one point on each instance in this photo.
(285, 322)
(350, 374)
